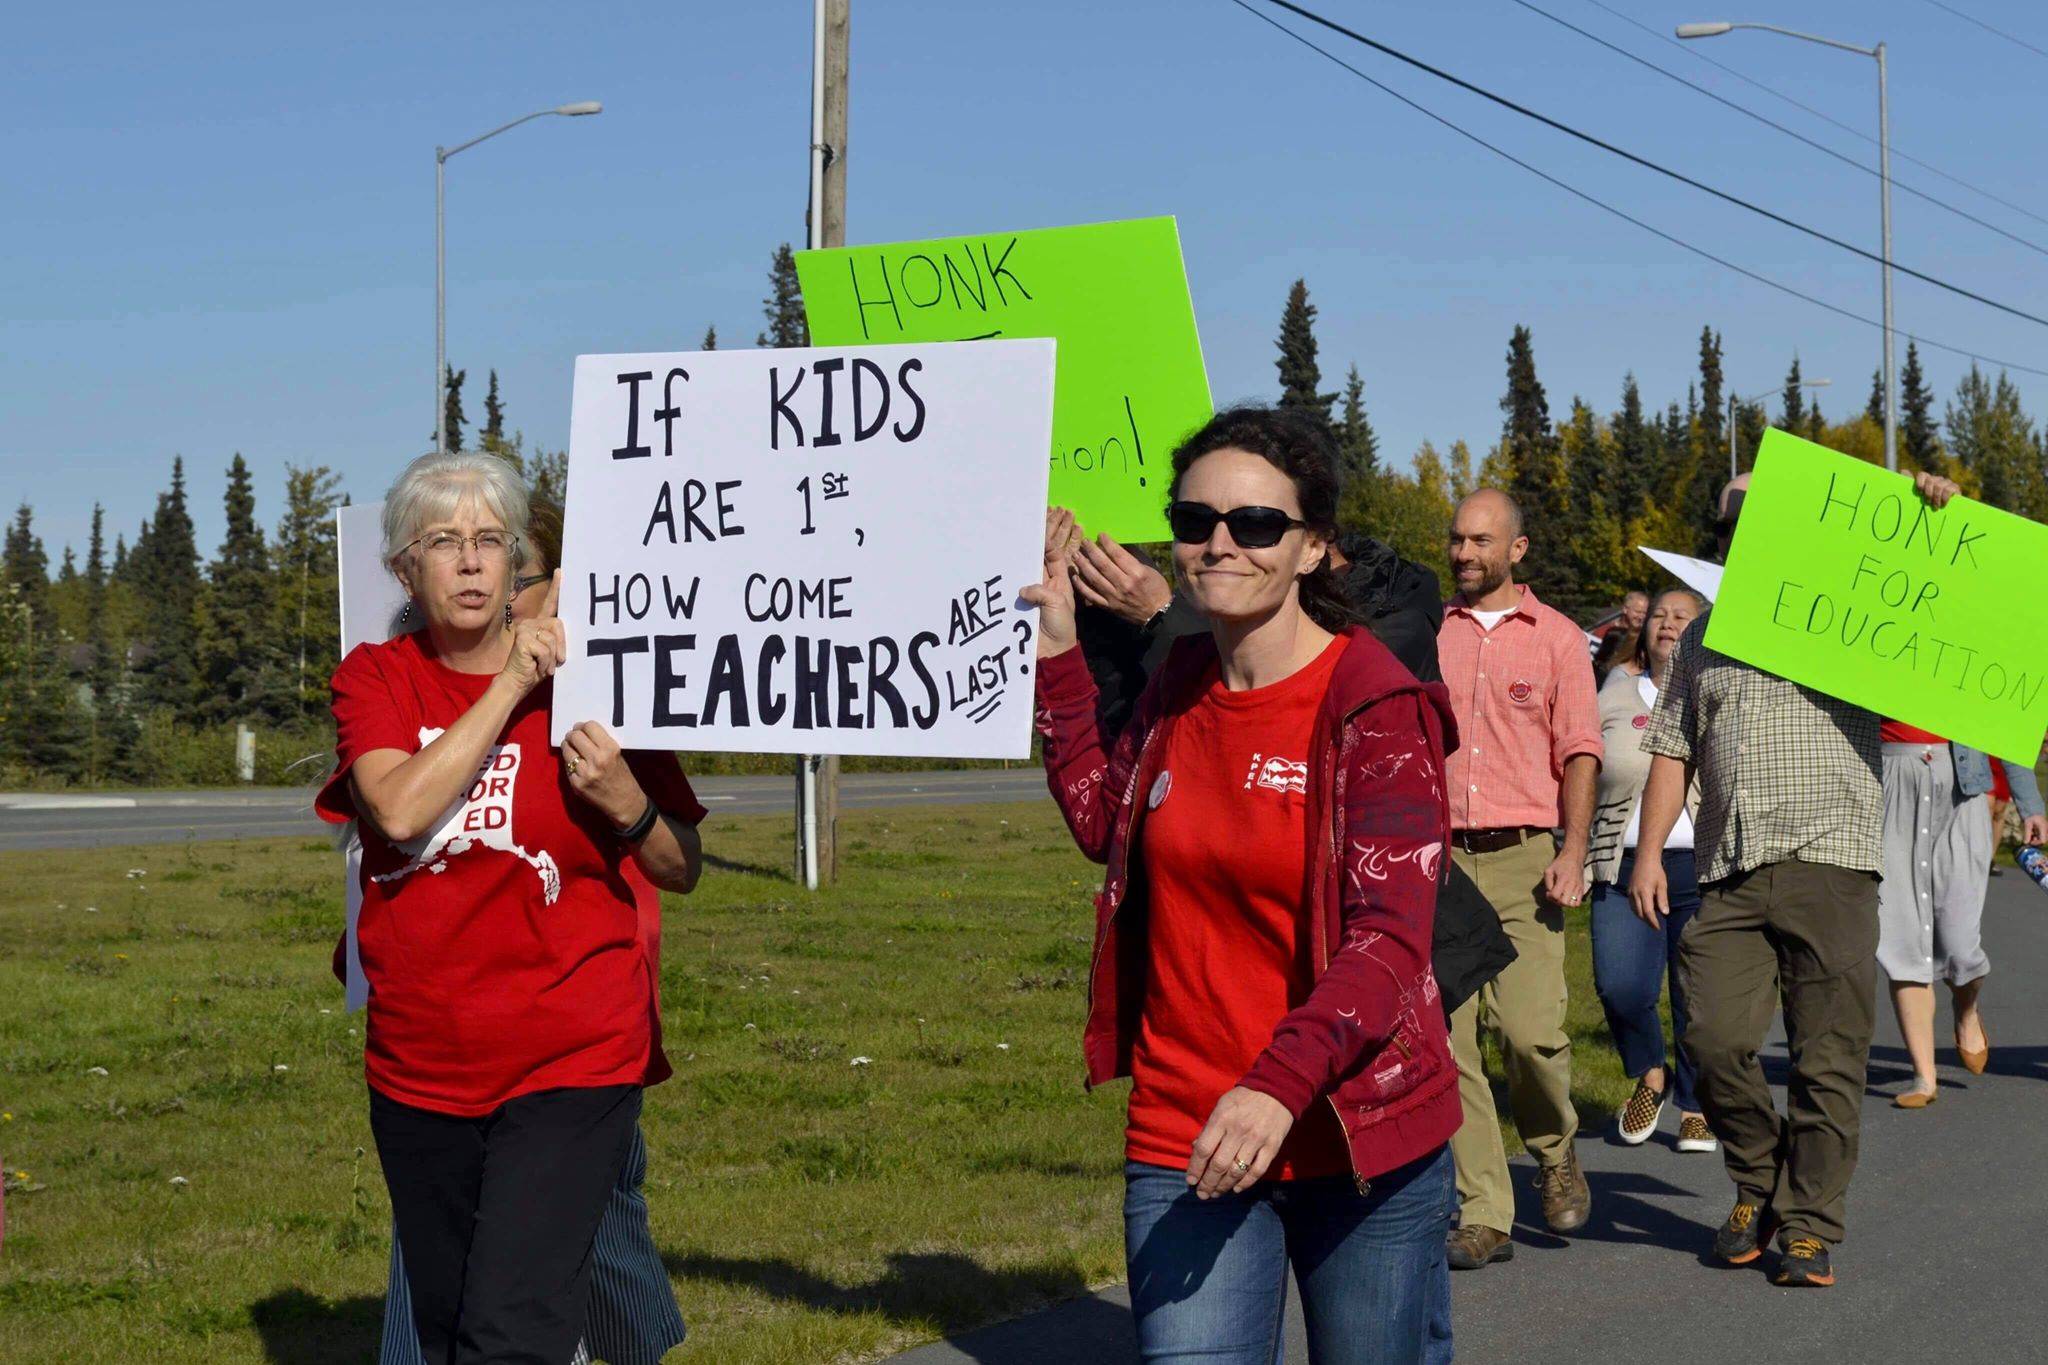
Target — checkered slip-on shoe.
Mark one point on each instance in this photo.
(1639, 1116)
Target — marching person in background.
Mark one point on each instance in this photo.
(1631, 958)
(1789, 847)
(633, 1318)
(1272, 819)
(1938, 846)
(510, 989)
(1522, 689)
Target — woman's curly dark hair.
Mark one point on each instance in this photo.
(1300, 448)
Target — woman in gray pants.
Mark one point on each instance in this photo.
(1938, 846)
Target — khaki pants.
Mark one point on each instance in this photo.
(1525, 1004)
(1808, 932)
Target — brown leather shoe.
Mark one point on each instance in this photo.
(1975, 1062)
(1472, 1246)
(1567, 1203)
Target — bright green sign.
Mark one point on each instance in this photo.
(1129, 381)
(1842, 578)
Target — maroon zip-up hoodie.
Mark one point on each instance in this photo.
(1369, 1038)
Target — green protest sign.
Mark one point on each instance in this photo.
(1842, 578)
(1129, 381)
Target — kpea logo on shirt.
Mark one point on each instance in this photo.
(1277, 774)
(1520, 691)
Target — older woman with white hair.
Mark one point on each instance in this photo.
(509, 1034)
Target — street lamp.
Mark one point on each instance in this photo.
(441, 155)
(1884, 176)
(1733, 401)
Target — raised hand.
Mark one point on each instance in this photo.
(1109, 576)
(539, 644)
(1054, 597)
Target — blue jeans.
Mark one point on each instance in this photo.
(1631, 962)
(1208, 1277)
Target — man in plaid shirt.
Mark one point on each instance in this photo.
(1789, 848)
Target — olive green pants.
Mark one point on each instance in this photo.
(1525, 1007)
(1805, 933)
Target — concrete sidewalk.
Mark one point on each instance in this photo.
(1940, 1263)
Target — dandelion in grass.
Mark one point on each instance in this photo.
(120, 957)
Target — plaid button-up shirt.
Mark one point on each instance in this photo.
(1784, 771)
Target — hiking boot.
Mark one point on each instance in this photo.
(1803, 1264)
(1567, 1203)
(1695, 1136)
(1639, 1116)
(1472, 1246)
(1740, 1239)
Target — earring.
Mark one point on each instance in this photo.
(405, 612)
(508, 613)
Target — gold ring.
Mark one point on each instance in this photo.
(572, 765)
(1241, 1165)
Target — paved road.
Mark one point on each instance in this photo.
(60, 821)
(1941, 1261)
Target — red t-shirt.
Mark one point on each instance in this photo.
(1225, 849)
(504, 950)
(1898, 732)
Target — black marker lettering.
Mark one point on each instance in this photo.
(632, 449)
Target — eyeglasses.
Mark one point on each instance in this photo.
(525, 581)
(1253, 528)
(445, 547)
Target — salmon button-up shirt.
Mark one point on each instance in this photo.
(1523, 695)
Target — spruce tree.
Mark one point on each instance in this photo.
(67, 569)
(493, 437)
(1358, 448)
(710, 342)
(451, 406)
(100, 663)
(238, 657)
(1301, 379)
(1537, 477)
(784, 306)
(1710, 453)
(27, 567)
(1993, 439)
(1793, 402)
(120, 554)
(170, 584)
(1628, 492)
(1917, 433)
(1874, 409)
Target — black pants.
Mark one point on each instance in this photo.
(496, 1216)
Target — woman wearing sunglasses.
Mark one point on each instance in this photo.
(1273, 819)
(509, 1032)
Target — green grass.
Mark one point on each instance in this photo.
(808, 1209)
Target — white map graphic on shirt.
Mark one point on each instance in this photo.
(481, 818)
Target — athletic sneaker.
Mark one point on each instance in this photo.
(1804, 1265)
(1639, 1116)
(1695, 1136)
(1740, 1239)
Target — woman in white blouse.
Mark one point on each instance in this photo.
(1632, 959)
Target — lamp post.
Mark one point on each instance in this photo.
(1734, 402)
(441, 155)
(1884, 178)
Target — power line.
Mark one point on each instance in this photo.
(1972, 19)
(1822, 148)
(1692, 50)
(1589, 139)
(1625, 216)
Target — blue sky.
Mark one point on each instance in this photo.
(217, 231)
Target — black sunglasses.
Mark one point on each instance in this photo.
(1253, 528)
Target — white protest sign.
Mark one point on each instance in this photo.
(807, 551)
(1701, 575)
(371, 599)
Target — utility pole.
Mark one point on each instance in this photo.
(817, 825)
